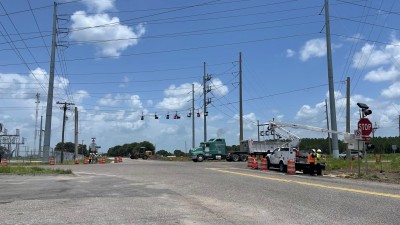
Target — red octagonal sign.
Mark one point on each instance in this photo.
(365, 126)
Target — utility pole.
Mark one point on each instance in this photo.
(348, 154)
(193, 134)
(258, 130)
(40, 136)
(335, 145)
(63, 127)
(205, 103)
(327, 127)
(240, 99)
(36, 121)
(47, 135)
(76, 133)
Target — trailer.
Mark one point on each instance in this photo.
(253, 148)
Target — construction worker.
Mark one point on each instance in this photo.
(319, 161)
(311, 161)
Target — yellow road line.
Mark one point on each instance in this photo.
(313, 184)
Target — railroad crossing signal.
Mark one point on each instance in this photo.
(365, 126)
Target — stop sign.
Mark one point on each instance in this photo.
(365, 126)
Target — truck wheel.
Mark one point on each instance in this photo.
(268, 164)
(200, 158)
(281, 167)
(243, 158)
(194, 160)
(235, 157)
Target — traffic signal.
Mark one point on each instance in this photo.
(142, 118)
(189, 114)
(198, 114)
(156, 117)
(205, 113)
(370, 146)
(366, 112)
(167, 116)
(175, 117)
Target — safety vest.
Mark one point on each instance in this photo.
(310, 158)
(319, 155)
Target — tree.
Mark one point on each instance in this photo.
(68, 147)
(178, 153)
(163, 153)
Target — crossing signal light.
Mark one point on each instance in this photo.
(370, 146)
(367, 112)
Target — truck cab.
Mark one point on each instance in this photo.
(212, 149)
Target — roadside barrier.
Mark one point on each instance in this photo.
(116, 160)
(103, 160)
(85, 160)
(264, 164)
(4, 162)
(250, 162)
(120, 159)
(356, 157)
(76, 161)
(52, 161)
(291, 167)
(255, 163)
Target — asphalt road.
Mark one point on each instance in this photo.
(164, 192)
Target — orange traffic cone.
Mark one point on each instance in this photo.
(255, 166)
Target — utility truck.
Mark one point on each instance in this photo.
(212, 149)
(289, 151)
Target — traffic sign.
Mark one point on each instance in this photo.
(357, 134)
(366, 138)
(365, 126)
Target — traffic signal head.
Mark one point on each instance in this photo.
(370, 146)
(142, 118)
(156, 117)
(198, 114)
(167, 116)
(366, 112)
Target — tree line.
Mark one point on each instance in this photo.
(382, 145)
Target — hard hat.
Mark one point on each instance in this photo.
(319, 151)
(313, 150)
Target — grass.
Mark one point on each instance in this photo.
(31, 170)
(389, 163)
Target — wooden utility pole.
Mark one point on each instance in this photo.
(193, 134)
(348, 154)
(63, 127)
(205, 101)
(327, 127)
(76, 133)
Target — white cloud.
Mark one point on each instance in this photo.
(393, 91)
(135, 102)
(180, 97)
(381, 74)
(313, 48)
(99, 5)
(218, 88)
(290, 53)
(97, 34)
(371, 55)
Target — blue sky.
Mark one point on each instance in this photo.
(119, 59)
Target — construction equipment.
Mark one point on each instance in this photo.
(143, 153)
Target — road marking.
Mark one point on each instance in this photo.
(313, 184)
